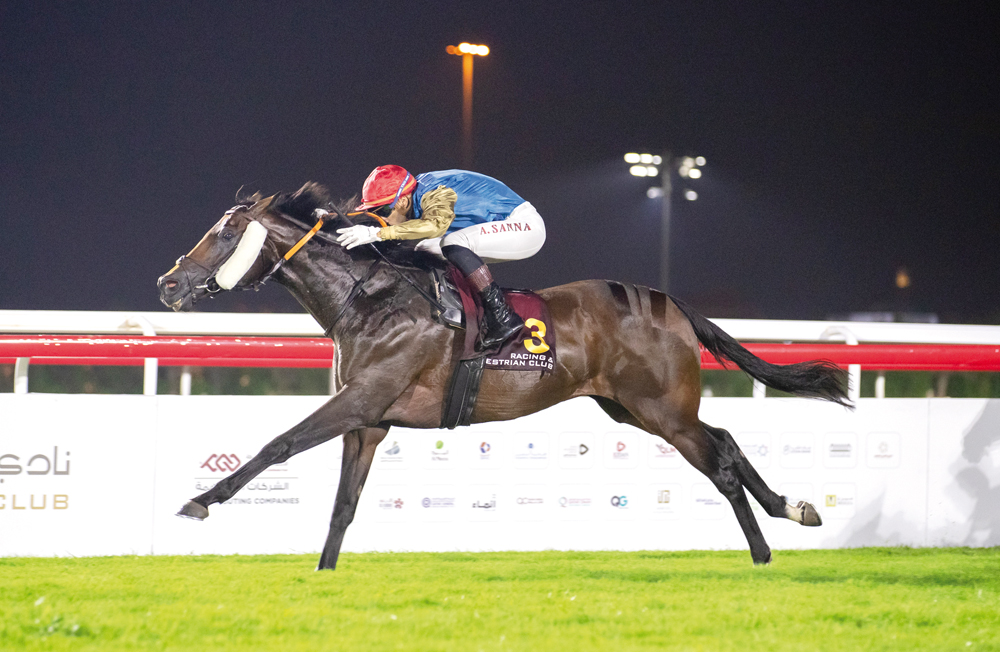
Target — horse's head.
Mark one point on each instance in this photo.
(238, 251)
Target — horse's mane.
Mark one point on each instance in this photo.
(301, 204)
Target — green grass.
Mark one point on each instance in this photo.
(861, 599)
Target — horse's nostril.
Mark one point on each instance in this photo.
(170, 285)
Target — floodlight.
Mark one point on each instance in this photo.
(690, 195)
(639, 171)
(700, 160)
(655, 192)
(631, 157)
(695, 173)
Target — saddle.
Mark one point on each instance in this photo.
(531, 350)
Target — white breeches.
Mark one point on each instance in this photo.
(519, 236)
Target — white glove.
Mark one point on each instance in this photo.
(357, 235)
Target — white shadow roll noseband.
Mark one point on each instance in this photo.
(243, 258)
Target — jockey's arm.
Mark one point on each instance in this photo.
(438, 211)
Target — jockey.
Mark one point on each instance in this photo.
(465, 217)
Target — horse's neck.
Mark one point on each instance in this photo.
(321, 287)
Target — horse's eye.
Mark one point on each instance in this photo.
(227, 235)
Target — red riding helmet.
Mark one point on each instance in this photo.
(385, 185)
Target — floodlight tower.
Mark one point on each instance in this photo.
(645, 165)
(467, 51)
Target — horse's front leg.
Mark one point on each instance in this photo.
(349, 410)
(359, 451)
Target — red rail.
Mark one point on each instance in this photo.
(318, 352)
(170, 351)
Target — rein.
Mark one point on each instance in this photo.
(431, 300)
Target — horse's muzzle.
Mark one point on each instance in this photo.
(175, 290)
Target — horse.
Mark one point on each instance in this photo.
(633, 349)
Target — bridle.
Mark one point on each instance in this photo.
(212, 287)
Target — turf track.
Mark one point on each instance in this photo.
(862, 599)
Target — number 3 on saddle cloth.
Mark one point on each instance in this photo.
(531, 350)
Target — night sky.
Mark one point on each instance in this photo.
(843, 140)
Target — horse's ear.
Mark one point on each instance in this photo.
(262, 204)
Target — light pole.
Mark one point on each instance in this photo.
(645, 165)
(467, 51)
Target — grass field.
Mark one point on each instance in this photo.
(862, 599)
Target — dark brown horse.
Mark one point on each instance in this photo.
(632, 349)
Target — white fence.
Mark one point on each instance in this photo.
(99, 475)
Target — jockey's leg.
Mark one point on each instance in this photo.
(519, 236)
(499, 321)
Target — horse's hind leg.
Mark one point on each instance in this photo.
(359, 451)
(777, 506)
(718, 463)
(722, 468)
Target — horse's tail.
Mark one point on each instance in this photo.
(820, 379)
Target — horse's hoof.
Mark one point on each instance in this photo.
(810, 517)
(193, 510)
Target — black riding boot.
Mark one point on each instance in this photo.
(499, 321)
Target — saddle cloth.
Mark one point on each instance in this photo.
(533, 349)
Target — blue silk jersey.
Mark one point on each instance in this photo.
(480, 198)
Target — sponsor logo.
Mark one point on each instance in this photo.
(884, 450)
(841, 450)
(390, 503)
(36, 465)
(429, 502)
(530, 501)
(16, 502)
(760, 450)
(709, 501)
(840, 500)
(619, 501)
(271, 501)
(567, 501)
(663, 496)
(439, 453)
(489, 505)
(796, 450)
(393, 450)
(576, 450)
(531, 452)
(665, 449)
(221, 463)
(484, 448)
